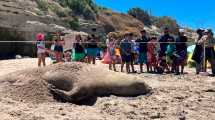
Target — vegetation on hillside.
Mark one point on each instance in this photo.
(166, 21)
(87, 9)
(119, 22)
(141, 15)
(148, 19)
(46, 6)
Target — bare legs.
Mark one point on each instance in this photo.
(41, 59)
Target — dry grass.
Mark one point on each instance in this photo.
(121, 22)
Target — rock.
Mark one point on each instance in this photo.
(18, 57)
(155, 116)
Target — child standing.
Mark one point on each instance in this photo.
(170, 52)
(151, 54)
(59, 51)
(111, 46)
(125, 51)
(41, 50)
(181, 51)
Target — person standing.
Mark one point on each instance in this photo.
(151, 54)
(170, 51)
(41, 49)
(111, 46)
(59, 50)
(164, 42)
(142, 42)
(92, 49)
(125, 51)
(198, 54)
(181, 52)
(133, 52)
(78, 53)
(209, 50)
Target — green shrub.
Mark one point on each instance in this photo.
(86, 8)
(61, 14)
(74, 24)
(40, 13)
(43, 5)
(141, 15)
(166, 21)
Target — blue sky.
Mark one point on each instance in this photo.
(188, 13)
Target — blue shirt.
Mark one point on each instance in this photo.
(125, 47)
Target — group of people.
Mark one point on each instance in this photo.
(204, 51)
(164, 54)
(80, 51)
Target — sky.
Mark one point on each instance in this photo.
(188, 13)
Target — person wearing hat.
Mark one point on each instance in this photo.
(181, 52)
(142, 42)
(209, 50)
(198, 54)
(41, 49)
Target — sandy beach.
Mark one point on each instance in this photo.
(185, 97)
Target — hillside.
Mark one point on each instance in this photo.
(20, 20)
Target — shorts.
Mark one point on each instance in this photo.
(142, 58)
(181, 58)
(41, 51)
(92, 52)
(126, 58)
(78, 56)
(58, 48)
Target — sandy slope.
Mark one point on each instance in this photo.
(174, 97)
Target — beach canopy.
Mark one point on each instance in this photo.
(191, 48)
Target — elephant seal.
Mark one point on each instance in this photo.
(77, 82)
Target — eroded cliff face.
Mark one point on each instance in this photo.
(19, 22)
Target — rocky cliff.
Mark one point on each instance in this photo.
(20, 20)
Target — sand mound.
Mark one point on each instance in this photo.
(69, 82)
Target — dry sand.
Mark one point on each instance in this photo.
(189, 97)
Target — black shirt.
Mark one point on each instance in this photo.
(78, 48)
(164, 42)
(142, 44)
(92, 44)
(181, 43)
